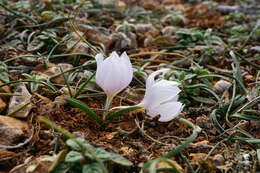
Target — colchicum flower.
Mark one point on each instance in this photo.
(161, 98)
(114, 73)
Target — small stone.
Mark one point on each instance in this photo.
(255, 48)
(218, 160)
(12, 130)
(55, 70)
(203, 122)
(17, 101)
(197, 157)
(169, 30)
(142, 28)
(249, 78)
(168, 165)
(121, 41)
(148, 41)
(222, 86)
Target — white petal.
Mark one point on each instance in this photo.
(167, 111)
(159, 93)
(126, 59)
(150, 80)
(108, 76)
(113, 75)
(127, 70)
(114, 56)
(99, 59)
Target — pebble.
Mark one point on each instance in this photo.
(12, 130)
(218, 160)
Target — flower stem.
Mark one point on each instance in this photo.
(107, 105)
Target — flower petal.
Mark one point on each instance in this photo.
(167, 111)
(127, 70)
(113, 74)
(159, 93)
(150, 80)
(99, 59)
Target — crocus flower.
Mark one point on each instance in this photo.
(114, 73)
(161, 98)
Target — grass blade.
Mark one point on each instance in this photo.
(130, 108)
(79, 91)
(186, 143)
(85, 108)
(246, 117)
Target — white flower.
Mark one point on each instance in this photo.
(161, 98)
(114, 73)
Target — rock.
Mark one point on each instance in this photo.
(12, 130)
(204, 122)
(121, 41)
(168, 165)
(56, 69)
(17, 101)
(76, 45)
(169, 30)
(222, 86)
(197, 157)
(96, 34)
(142, 28)
(148, 41)
(255, 48)
(2, 105)
(226, 9)
(218, 160)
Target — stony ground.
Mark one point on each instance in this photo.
(47, 51)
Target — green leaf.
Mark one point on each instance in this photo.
(236, 71)
(73, 156)
(73, 145)
(81, 145)
(92, 168)
(150, 166)
(189, 76)
(164, 41)
(128, 109)
(120, 160)
(246, 117)
(103, 154)
(188, 141)
(85, 108)
(204, 100)
(35, 45)
(79, 91)
(3, 72)
(62, 167)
